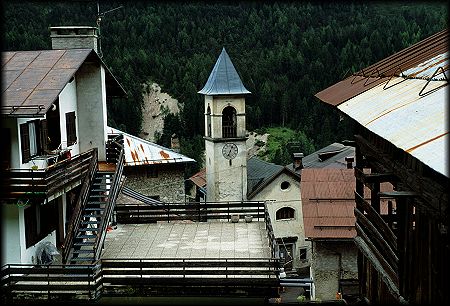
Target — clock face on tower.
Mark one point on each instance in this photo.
(229, 150)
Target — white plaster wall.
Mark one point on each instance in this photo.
(67, 104)
(10, 234)
(226, 182)
(286, 198)
(91, 97)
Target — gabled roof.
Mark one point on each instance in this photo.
(142, 152)
(224, 79)
(259, 172)
(32, 80)
(403, 99)
(328, 202)
(199, 178)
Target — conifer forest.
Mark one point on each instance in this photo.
(285, 52)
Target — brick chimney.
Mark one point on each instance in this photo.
(74, 37)
(297, 161)
(349, 160)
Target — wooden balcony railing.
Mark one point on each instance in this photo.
(76, 218)
(42, 183)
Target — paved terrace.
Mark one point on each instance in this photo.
(187, 239)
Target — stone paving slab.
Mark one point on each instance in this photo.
(180, 239)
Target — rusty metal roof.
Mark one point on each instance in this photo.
(224, 79)
(142, 152)
(409, 109)
(32, 80)
(199, 178)
(328, 202)
(417, 61)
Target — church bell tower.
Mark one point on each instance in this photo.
(225, 133)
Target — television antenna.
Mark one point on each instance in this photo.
(100, 16)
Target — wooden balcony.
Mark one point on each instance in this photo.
(43, 183)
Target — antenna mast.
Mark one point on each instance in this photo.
(100, 16)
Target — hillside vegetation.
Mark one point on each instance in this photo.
(285, 53)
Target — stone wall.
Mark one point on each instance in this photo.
(163, 180)
(327, 259)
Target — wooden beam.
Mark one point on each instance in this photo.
(369, 178)
(398, 194)
(433, 194)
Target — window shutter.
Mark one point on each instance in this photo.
(71, 128)
(44, 135)
(25, 143)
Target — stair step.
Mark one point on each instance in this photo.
(96, 202)
(93, 209)
(90, 222)
(87, 243)
(98, 195)
(82, 259)
(93, 229)
(83, 251)
(87, 236)
(92, 216)
(99, 190)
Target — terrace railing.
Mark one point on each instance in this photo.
(195, 211)
(141, 277)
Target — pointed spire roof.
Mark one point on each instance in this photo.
(224, 79)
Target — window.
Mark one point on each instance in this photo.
(229, 123)
(285, 213)
(285, 185)
(71, 128)
(208, 121)
(303, 253)
(39, 222)
(33, 139)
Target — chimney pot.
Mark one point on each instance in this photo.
(297, 161)
(74, 37)
(349, 160)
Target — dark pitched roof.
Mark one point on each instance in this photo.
(259, 172)
(224, 79)
(32, 80)
(331, 156)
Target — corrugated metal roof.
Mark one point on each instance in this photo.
(141, 152)
(423, 56)
(416, 124)
(224, 79)
(32, 80)
(328, 202)
(408, 109)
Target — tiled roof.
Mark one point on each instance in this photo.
(32, 80)
(328, 202)
(199, 178)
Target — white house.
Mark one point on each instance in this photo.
(53, 119)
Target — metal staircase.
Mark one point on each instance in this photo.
(91, 220)
(87, 229)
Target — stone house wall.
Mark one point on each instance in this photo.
(163, 180)
(328, 258)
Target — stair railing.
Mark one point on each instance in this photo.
(112, 196)
(76, 217)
